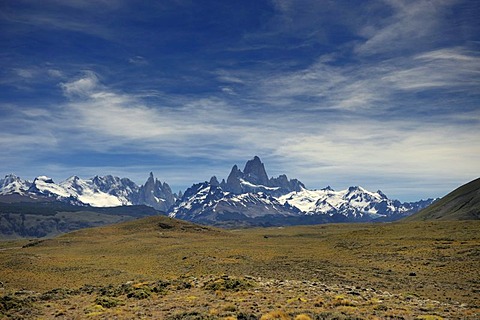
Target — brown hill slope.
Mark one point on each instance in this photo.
(461, 204)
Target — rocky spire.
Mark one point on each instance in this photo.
(214, 181)
(233, 180)
(255, 173)
(156, 194)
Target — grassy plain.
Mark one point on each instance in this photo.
(167, 269)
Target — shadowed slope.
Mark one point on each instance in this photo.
(461, 204)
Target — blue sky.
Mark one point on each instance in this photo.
(383, 94)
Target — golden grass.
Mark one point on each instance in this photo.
(275, 315)
(427, 260)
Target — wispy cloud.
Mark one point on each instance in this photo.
(448, 69)
(309, 146)
(138, 60)
(82, 87)
(371, 85)
(408, 28)
(355, 145)
(189, 126)
(57, 15)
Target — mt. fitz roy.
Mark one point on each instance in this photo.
(250, 198)
(245, 198)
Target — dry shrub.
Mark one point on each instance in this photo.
(303, 317)
(280, 315)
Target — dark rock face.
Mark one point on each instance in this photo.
(255, 173)
(233, 180)
(155, 194)
(286, 185)
(246, 198)
(214, 181)
(254, 179)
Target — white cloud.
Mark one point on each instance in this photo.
(228, 90)
(388, 147)
(138, 60)
(369, 85)
(126, 119)
(26, 73)
(54, 73)
(451, 69)
(83, 87)
(26, 76)
(398, 157)
(411, 24)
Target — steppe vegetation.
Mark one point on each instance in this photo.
(168, 269)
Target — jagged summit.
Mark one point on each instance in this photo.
(44, 179)
(156, 194)
(254, 172)
(214, 181)
(254, 178)
(233, 180)
(250, 194)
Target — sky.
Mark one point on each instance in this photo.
(384, 94)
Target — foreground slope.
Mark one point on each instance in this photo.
(461, 204)
(159, 267)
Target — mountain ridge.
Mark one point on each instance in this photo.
(249, 197)
(106, 191)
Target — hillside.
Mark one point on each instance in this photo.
(37, 219)
(163, 268)
(461, 204)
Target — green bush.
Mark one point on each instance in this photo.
(139, 293)
(107, 302)
(10, 302)
(227, 284)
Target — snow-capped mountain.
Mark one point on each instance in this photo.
(43, 187)
(207, 203)
(100, 191)
(250, 194)
(247, 197)
(12, 184)
(107, 191)
(355, 203)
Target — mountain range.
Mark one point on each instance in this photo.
(246, 197)
(107, 191)
(249, 198)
